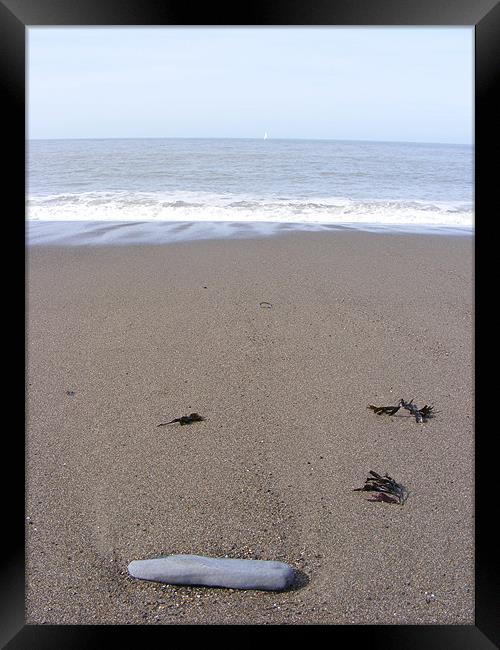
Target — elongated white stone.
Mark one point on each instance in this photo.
(215, 572)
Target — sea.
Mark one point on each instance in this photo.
(126, 190)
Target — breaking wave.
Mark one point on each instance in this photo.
(124, 205)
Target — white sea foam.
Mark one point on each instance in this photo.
(124, 206)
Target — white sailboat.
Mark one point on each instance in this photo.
(265, 135)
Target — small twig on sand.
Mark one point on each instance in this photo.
(185, 419)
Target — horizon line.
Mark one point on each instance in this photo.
(155, 137)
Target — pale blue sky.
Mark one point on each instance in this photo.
(411, 84)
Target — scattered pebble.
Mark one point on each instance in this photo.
(215, 572)
(429, 597)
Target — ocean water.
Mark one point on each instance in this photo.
(238, 183)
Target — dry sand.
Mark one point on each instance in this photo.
(148, 333)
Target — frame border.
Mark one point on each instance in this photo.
(15, 17)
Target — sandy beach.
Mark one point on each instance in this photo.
(122, 338)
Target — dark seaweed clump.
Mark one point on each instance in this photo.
(385, 485)
(420, 415)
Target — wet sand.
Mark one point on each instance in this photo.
(121, 338)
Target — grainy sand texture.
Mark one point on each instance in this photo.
(122, 338)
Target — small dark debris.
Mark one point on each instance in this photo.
(386, 486)
(389, 410)
(70, 393)
(184, 419)
(421, 415)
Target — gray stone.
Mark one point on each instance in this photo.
(215, 572)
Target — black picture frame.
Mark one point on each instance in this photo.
(15, 17)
